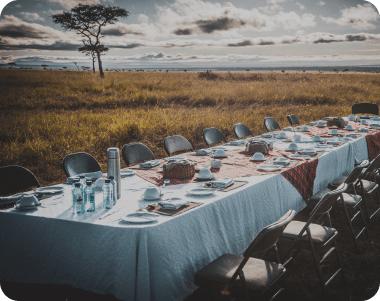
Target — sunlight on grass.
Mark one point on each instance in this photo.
(49, 114)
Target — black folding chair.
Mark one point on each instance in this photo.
(213, 136)
(176, 144)
(242, 131)
(365, 186)
(136, 152)
(77, 163)
(347, 202)
(15, 179)
(271, 124)
(293, 120)
(365, 108)
(244, 275)
(314, 237)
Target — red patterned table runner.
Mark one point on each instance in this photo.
(373, 144)
(238, 164)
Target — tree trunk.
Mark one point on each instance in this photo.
(93, 64)
(100, 65)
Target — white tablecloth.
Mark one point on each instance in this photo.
(155, 261)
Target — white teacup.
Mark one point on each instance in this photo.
(296, 138)
(282, 135)
(205, 173)
(200, 151)
(305, 128)
(358, 118)
(28, 201)
(292, 146)
(220, 153)
(363, 121)
(152, 192)
(317, 138)
(270, 144)
(349, 127)
(258, 156)
(215, 163)
(334, 132)
(351, 117)
(320, 123)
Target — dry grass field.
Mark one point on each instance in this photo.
(48, 114)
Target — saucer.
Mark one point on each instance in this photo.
(205, 179)
(349, 129)
(292, 150)
(251, 159)
(267, 135)
(152, 199)
(215, 156)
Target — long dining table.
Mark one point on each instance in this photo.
(101, 253)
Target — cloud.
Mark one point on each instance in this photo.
(321, 3)
(358, 17)
(32, 16)
(122, 29)
(301, 6)
(13, 27)
(193, 17)
(71, 3)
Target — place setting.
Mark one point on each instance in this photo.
(204, 174)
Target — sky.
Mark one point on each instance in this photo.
(200, 33)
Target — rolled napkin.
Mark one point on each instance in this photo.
(222, 183)
(170, 164)
(173, 203)
(237, 142)
(150, 164)
(89, 176)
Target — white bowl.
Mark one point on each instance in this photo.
(296, 138)
(363, 121)
(292, 147)
(282, 135)
(220, 153)
(317, 138)
(28, 201)
(349, 128)
(334, 132)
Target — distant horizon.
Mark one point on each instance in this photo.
(197, 33)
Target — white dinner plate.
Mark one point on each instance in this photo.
(153, 163)
(219, 156)
(238, 142)
(174, 158)
(124, 173)
(307, 153)
(296, 156)
(200, 191)
(323, 146)
(49, 190)
(140, 217)
(218, 147)
(267, 135)
(269, 167)
(205, 179)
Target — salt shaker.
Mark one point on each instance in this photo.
(113, 167)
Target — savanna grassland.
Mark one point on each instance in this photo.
(47, 114)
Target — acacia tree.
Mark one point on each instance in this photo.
(91, 51)
(88, 21)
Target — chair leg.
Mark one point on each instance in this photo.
(316, 263)
(363, 220)
(367, 210)
(339, 260)
(378, 208)
(351, 228)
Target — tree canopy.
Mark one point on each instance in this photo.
(88, 21)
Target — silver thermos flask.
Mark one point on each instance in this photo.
(113, 167)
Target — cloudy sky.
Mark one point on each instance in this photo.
(208, 33)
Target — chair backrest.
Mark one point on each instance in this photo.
(370, 171)
(242, 131)
(271, 124)
(77, 163)
(293, 120)
(269, 236)
(212, 136)
(136, 152)
(354, 174)
(365, 108)
(176, 143)
(15, 178)
(325, 204)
